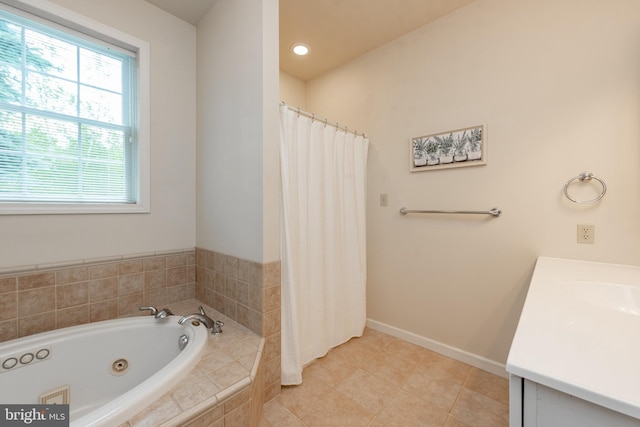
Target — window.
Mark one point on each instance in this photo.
(71, 139)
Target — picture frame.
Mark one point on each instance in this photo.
(452, 149)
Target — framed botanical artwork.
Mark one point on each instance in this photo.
(452, 149)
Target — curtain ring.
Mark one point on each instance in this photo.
(298, 111)
(325, 122)
(313, 118)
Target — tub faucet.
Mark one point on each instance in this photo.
(215, 326)
(158, 314)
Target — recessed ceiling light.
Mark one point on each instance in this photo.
(300, 49)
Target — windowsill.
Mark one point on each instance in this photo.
(71, 208)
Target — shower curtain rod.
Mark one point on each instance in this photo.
(320, 119)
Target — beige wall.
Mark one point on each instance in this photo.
(558, 87)
(293, 91)
(237, 169)
(38, 239)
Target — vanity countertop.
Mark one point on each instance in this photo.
(579, 332)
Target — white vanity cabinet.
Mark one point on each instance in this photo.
(575, 356)
(536, 405)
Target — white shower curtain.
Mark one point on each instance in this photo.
(323, 241)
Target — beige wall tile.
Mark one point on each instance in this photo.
(231, 266)
(230, 288)
(8, 330)
(209, 260)
(8, 306)
(201, 257)
(272, 370)
(155, 279)
(236, 401)
(208, 279)
(154, 263)
(191, 273)
(72, 275)
(37, 280)
(37, 323)
(180, 293)
(130, 284)
(130, 267)
(230, 308)
(271, 322)
(219, 262)
(102, 289)
(211, 418)
(272, 347)
(157, 298)
(241, 417)
(219, 282)
(103, 271)
(242, 293)
(104, 310)
(130, 304)
(255, 322)
(245, 270)
(8, 284)
(255, 297)
(190, 258)
(176, 261)
(176, 276)
(72, 316)
(71, 295)
(36, 301)
(271, 298)
(271, 274)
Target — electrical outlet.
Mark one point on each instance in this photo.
(384, 200)
(586, 233)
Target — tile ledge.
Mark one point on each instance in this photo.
(79, 263)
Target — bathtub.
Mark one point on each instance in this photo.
(109, 370)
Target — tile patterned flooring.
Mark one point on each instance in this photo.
(381, 381)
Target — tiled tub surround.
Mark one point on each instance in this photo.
(225, 389)
(36, 299)
(249, 293)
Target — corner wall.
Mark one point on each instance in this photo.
(558, 86)
(237, 162)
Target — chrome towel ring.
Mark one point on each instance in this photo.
(585, 177)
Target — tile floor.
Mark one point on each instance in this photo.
(381, 381)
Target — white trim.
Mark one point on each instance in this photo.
(444, 349)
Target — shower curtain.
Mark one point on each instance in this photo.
(323, 239)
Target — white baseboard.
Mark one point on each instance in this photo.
(444, 349)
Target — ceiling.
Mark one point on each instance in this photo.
(335, 30)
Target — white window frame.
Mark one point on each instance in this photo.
(75, 21)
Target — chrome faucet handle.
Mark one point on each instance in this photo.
(163, 314)
(154, 311)
(217, 327)
(214, 325)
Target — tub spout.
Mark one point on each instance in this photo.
(215, 326)
(152, 309)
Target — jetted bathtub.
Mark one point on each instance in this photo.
(108, 371)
